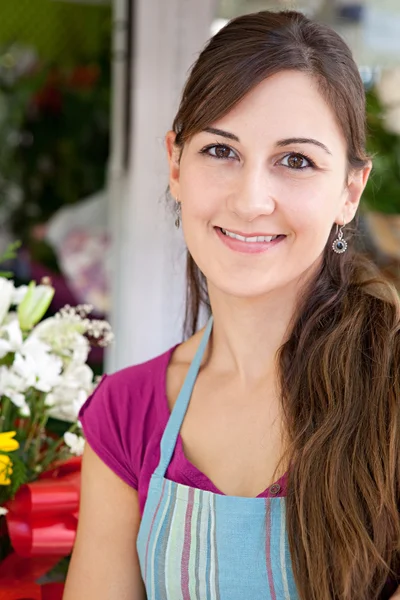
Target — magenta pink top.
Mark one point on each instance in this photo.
(123, 422)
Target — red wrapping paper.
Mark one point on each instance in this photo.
(41, 522)
(43, 516)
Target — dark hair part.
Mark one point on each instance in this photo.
(340, 367)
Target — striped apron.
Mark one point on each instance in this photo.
(196, 545)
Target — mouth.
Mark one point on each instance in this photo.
(253, 239)
(257, 243)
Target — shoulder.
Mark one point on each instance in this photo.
(131, 388)
(143, 378)
(125, 411)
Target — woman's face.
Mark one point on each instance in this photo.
(274, 168)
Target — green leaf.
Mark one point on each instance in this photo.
(19, 475)
(10, 252)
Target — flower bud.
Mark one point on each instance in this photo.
(34, 305)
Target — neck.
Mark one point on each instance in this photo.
(248, 333)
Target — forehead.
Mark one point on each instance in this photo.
(288, 104)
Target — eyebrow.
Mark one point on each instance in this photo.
(280, 143)
(230, 136)
(290, 141)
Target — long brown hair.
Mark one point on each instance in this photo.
(340, 367)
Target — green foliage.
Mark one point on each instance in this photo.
(382, 193)
(19, 475)
(59, 31)
(9, 254)
(54, 143)
(57, 573)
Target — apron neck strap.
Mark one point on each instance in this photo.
(171, 432)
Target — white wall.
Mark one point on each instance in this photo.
(148, 254)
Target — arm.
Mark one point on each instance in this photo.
(104, 563)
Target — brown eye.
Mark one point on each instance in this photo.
(219, 151)
(222, 151)
(297, 162)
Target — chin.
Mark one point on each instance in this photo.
(247, 290)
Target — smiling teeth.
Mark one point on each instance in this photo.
(256, 238)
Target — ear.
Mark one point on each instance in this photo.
(353, 192)
(173, 153)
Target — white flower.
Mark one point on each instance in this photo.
(75, 443)
(66, 399)
(14, 387)
(65, 403)
(6, 295)
(39, 367)
(3, 510)
(10, 336)
(80, 349)
(59, 333)
(19, 294)
(25, 411)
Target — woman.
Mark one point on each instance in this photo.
(259, 458)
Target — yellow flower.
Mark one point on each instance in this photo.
(5, 469)
(7, 444)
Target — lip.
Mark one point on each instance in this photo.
(247, 247)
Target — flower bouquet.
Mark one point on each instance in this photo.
(44, 380)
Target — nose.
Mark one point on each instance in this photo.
(253, 195)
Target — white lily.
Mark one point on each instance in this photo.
(65, 403)
(66, 399)
(10, 336)
(35, 363)
(14, 386)
(6, 295)
(76, 443)
(19, 294)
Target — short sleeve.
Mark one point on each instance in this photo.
(104, 418)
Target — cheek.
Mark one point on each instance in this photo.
(201, 194)
(318, 197)
(311, 212)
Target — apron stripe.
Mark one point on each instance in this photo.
(151, 531)
(209, 559)
(162, 551)
(157, 557)
(186, 547)
(215, 595)
(197, 567)
(283, 552)
(205, 515)
(194, 548)
(173, 555)
(268, 550)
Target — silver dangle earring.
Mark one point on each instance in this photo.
(339, 245)
(178, 213)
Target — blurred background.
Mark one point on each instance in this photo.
(88, 89)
